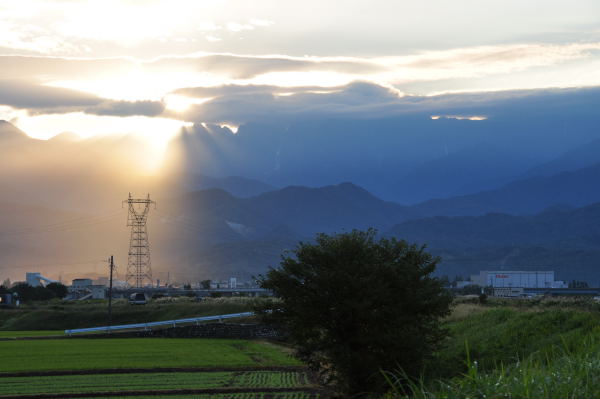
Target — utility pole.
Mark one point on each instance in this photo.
(111, 265)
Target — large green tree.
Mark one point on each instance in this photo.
(353, 305)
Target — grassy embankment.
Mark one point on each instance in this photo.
(517, 349)
(61, 315)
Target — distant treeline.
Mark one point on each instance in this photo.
(25, 293)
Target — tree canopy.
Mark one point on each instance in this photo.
(354, 306)
(26, 293)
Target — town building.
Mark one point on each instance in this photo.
(517, 279)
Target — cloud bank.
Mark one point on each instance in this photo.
(39, 99)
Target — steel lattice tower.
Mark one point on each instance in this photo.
(138, 262)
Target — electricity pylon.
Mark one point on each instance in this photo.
(139, 267)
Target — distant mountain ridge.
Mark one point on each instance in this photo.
(531, 195)
(577, 158)
(565, 241)
(408, 158)
(9, 132)
(235, 185)
(530, 154)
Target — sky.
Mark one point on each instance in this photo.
(95, 67)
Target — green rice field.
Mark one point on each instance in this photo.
(151, 367)
(151, 382)
(252, 395)
(117, 353)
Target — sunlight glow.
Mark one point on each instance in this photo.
(8, 113)
(138, 84)
(305, 78)
(179, 103)
(233, 128)
(460, 117)
(154, 132)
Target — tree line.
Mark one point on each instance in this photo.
(26, 293)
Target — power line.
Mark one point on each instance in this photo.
(86, 262)
(68, 225)
(189, 224)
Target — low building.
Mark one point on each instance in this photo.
(98, 291)
(517, 279)
(37, 280)
(81, 283)
(6, 300)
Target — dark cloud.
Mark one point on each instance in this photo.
(40, 99)
(235, 104)
(21, 94)
(242, 104)
(127, 108)
(236, 90)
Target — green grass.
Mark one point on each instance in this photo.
(568, 374)
(36, 333)
(503, 335)
(526, 351)
(79, 354)
(63, 315)
(253, 395)
(148, 381)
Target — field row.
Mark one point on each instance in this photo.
(249, 395)
(121, 353)
(150, 381)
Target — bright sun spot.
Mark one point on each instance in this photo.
(177, 103)
(460, 117)
(233, 128)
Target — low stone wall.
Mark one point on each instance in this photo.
(215, 330)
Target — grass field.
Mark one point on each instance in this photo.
(516, 349)
(63, 315)
(159, 367)
(252, 395)
(35, 333)
(151, 382)
(103, 353)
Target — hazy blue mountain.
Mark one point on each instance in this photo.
(235, 185)
(565, 241)
(464, 172)
(215, 233)
(408, 158)
(339, 207)
(574, 188)
(578, 228)
(295, 210)
(580, 157)
(220, 224)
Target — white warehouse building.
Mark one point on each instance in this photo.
(521, 279)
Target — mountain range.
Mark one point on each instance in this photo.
(502, 191)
